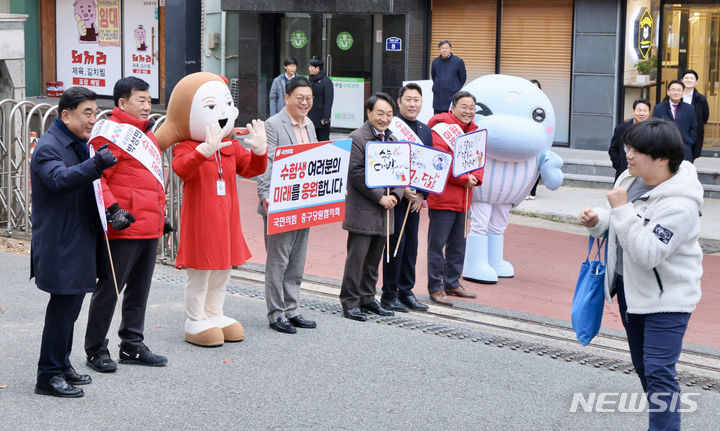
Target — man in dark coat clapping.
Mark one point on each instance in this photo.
(67, 235)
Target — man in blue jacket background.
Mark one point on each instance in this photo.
(448, 75)
(67, 251)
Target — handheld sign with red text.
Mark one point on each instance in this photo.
(387, 164)
(469, 152)
(99, 199)
(429, 168)
(307, 185)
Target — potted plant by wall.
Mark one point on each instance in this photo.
(646, 69)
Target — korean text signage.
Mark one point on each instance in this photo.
(429, 168)
(469, 152)
(88, 44)
(644, 33)
(307, 185)
(387, 164)
(141, 42)
(393, 44)
(347, 110)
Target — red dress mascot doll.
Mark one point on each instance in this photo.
(200, 119)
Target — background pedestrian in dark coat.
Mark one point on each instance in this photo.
(323, 94)
(67, 235)
(641, 112)
(673, 109)
(448, 75)
(702, 110)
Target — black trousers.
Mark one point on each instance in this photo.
(60, 316)
(134, 261)
(323, 134)
(399, 274)
(361, 269)
(445, 249)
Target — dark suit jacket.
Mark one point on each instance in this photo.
(323, 92)
(67, 249)
(686, 122)
(363, 212)
(617, 150)
(702, 114)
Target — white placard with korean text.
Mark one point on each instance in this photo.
(387, 164)
(88, 51)
(469, 152)
(307, 185)
(429, 168)
(348, 103)
(141, 43)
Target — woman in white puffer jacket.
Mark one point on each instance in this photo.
(654, 259)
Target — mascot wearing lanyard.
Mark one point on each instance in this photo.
(521, 126)
(200, 119)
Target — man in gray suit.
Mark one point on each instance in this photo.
(286, 251)
(277, 89)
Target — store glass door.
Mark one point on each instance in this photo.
(344, 44)
(692, 41)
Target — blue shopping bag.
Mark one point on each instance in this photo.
(587, 305)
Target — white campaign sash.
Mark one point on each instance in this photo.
(134, 142)
(448, 132)
(401, 130)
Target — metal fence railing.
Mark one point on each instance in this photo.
(21, 124)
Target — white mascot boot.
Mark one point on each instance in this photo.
(232, 330)
(476, 266)
(503, 268)
(203, 333)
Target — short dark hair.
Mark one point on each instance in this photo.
(409, 86)
(74, 96)
(296, 82)
(643, 101)
(692, 72)
(316, 62)
(443, 42)
(536, 82)
(675, 81)
(289, 60)
(460, 94)
(370, 104)
(657, 138)
(125, 86)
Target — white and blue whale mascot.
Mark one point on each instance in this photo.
(520, 122)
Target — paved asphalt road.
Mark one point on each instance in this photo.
(343, 375)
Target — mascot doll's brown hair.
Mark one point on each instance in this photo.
(200, 119)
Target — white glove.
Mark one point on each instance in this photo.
(257, 140)
(80, 25)
(213, 141)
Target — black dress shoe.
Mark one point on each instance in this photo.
(73, 378)
(101, 361)
(375, 308)
(300, 322)
(58, 387)
(412, 303)
(355, 313)
(393, 304)
(283, 325)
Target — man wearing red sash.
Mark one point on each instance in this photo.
(446, 236)
(135, 202)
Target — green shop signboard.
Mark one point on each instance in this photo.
(344, 40)
(298, 39)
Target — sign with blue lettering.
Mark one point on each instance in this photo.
(393, 44)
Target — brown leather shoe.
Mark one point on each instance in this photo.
(461, 292)
(441, 298)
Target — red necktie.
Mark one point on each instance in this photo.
(381, 135)
(674, 111)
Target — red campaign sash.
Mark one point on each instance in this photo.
(401, 130)
(448, 133)
(134, 142)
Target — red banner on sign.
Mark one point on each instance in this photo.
(300, 218)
